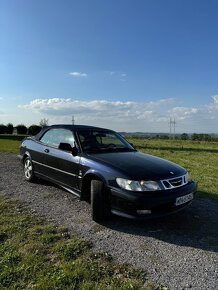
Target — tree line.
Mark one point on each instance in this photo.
(20, 129)
(185, 136)
(35, 129)
(199, 137)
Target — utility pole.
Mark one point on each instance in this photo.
(174, 128)
(172, 124)
(73, 120)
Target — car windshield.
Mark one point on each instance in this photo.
(102, 141)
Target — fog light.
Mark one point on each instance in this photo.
(144, 211)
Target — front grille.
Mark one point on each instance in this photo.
(174, 182)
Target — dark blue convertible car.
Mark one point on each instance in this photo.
(100, 166)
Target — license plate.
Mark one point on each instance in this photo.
(183, 199)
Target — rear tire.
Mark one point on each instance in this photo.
(100, 205)
(28, 170)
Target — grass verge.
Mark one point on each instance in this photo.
(37, 255)
(9, 146)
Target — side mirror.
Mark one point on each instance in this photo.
(74, 151)
(67, 147)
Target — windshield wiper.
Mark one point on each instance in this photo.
(126, 149)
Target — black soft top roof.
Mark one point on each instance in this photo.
(69, 127)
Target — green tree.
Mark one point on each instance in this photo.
(3, 129)
(21, 129)
(201, 137)
(34, 129)
(43, 122)
(10, 128)
(184, 136)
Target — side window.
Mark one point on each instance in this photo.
(54, 137)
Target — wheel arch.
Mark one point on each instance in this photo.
(86, 184)
(25, 155)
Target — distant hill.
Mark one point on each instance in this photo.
(163, 135)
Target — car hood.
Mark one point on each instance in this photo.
(139, 166)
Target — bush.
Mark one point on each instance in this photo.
(184, 136)
(34, 129)
(21, 129)
(10, 128)
(201, 137)
(3, 129)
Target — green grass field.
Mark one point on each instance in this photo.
(9, 146)
(38, 255)
(10, 143)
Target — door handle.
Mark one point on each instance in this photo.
(46, 150)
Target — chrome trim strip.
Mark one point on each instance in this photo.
(58, 183)
(59, 170)
(70, 190)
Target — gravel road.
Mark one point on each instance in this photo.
(179, 251)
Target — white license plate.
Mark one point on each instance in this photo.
(183, 199)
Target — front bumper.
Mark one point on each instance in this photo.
(157, 203)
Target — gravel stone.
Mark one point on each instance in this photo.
(178, 251)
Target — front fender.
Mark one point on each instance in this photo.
(94, 173)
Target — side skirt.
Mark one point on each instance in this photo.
(42, 176)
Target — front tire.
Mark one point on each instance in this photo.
(28, 170)
(100, 205)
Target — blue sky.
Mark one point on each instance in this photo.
(126, 65)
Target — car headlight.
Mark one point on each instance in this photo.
(150, 185)
(134, 185)
(188, 177)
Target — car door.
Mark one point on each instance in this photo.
(36, 151)
(60, 166)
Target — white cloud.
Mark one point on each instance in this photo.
(145, 115)
(94, 108)
(123, 77)
(215, 98)
(120, 114)
(152, 116)
(214, 105)
(211, 111)
(78, 74)
(160, 103)
(117, 74)
(1, 98)
(182, 113)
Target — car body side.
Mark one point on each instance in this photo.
(75, 174)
